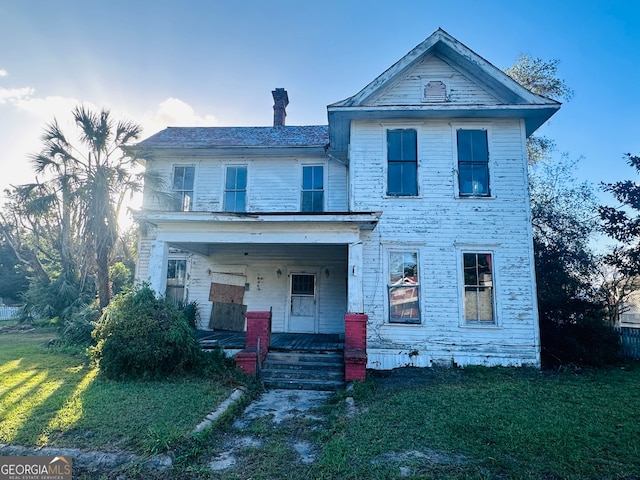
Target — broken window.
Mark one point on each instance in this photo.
(478, 288)
(473, 163)
(183, 176)
(235, 189)
(404, 288)
(402, 162)
(312, 188)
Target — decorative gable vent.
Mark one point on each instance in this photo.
(435, 91)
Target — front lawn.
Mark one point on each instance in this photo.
(490, 423)
(53, 398)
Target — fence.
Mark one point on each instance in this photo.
(7, 313)
(630, 339)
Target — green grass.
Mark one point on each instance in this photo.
(439, 423)
(488, 423)
(54, 398)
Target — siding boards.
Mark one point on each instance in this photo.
(274, 183)
(409, 88)
(439, 226)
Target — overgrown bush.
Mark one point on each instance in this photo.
(142, 336)
(583, 340)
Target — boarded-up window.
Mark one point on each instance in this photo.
(228, 311)
(435, 92)
(478, 288)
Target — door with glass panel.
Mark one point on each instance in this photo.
(302, 303)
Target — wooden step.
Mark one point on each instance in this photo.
(303, 371)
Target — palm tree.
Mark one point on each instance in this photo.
(91, 183)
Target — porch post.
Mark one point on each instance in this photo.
(355, 302)
(157, 274)
(355, 346)
(258, 335)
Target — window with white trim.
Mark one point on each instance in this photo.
(182, 188)
(479, 301)
(404, 287)
(402, 162)
(235, 189)
(473, 163)
(312, 188)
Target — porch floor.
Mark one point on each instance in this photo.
(303, 342)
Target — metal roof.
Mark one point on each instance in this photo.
(208, 137)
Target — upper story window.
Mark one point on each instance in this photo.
(404, 287)
(235, 189)
(473, 163)
(312, 188)
(183, 176)
(402, 162)
(478, 288)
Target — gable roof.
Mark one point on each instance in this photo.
(512, 100)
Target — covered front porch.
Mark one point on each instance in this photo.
(303, 268)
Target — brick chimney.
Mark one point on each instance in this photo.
(280, 102)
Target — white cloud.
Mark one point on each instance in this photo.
(14, 95)
(3, 72)
(173, 112)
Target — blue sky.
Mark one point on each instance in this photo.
(194, 63)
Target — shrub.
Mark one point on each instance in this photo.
(142, 336)
(79, 328)
(583, 340)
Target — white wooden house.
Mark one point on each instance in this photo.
(411, 207)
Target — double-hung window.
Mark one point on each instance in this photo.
(312, 188)
(473, 163)
(235, 189)
(402, 162)
(404, 288)
(478, 288)
(183, 176)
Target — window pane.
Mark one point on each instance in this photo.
(470, 271)
(464, 145)
(479, 147)
(394, 178)
(189, 173)
(302, 284)
(473, 179)
(470, 305)
(241, 178)
(307, 178)
(317, 178)
(409, 179)
(485, 304)
(230, 182)
(403, 304)
(409, 145)
(178, 178)
(394, 145)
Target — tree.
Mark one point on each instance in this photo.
(571, 308)
(68, 220)
(540, 77)
(623, 223)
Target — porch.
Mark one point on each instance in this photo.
(284, 342)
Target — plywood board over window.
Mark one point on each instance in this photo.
(228, 312)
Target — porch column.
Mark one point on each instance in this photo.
(355, 302)
(157, 274)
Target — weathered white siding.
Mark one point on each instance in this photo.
(409, 88)
(440, 226)
(274, 183)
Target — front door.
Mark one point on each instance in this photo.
(302, 312)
